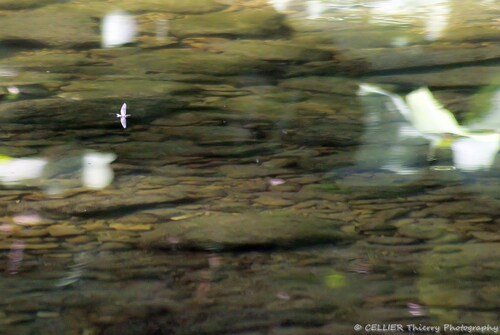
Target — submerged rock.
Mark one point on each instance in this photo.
(336, 85)
(95, 203)
(466, 76)
(129, 88)
(190, 61)
(43, 81)
(153, 151)
(422, 231)
(246, 23)
(47, 61)
(211, 134)
(270, 50)
(234, 231)
(449, 279)
(60, 230)
(173, 6)
(27, 4)
(242, 171)
(50, 26)
(273, 200)
(380, 59)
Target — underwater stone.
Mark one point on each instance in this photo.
(43, 60)
(273, 200)
(243, 171)
(422, 231)
(337, 85)
(86, 204)
(246, 23)
(190, 61)
(172, 6)
(279, 50)
(470, 76)
(379, 59)
(50, 26)
(229, 231)
(64, 230)
(130, 88)
(25, 4)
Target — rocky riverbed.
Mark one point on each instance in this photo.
(249, 194)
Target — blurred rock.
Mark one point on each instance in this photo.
(49, 26)
(469, 76)
(234, 231)
(245, 23)
(269, 50)
(130, 88)
(408, 57)
(190, 61)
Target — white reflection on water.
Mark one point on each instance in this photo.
(8, 72)
(27, 219)
(280, 5)
(95, 169)
(161, 29)
(75, 271)
(15, 256)
(118, 28)
(315, 9)
(416, 309)
(97, 173)
(16, 170)
(13, 90)
(436, 20)
(435, 14)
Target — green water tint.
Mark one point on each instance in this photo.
(251, 193)
(335, 280)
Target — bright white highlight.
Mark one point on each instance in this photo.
(97, 172)
(118, 28)
(16, 170)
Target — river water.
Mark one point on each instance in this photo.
(280, 171)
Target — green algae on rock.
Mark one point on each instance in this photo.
(324, 84)
(465, 76)
(259, 106)
(88, 203)
(130, 88)
(241, 171)
(449, 277)
(47, 60)
(151, 150)
(50, 26)
(190, 61)
(245, 23)
(172, 6)
(419, 56)
(26, 4)
(270, 50)
(236, 231)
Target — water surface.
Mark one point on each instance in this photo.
(254, 190)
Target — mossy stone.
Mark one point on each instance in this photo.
(246, 23)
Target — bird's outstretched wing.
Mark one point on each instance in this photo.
(123, 120)
(123, 111)
(390, 142)
(429, 116)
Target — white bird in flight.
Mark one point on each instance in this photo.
(472, 149)
(123, 115)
